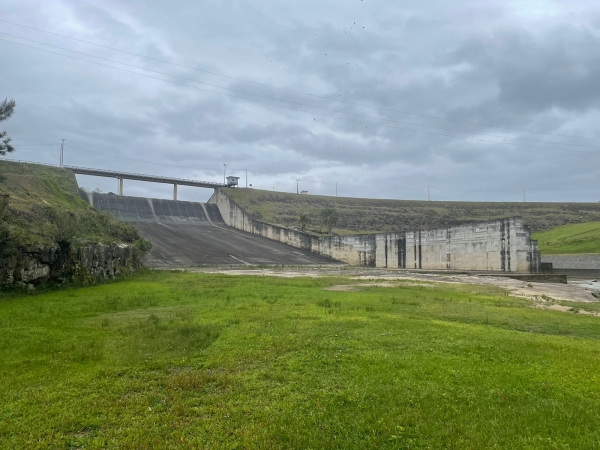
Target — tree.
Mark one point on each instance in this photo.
(7, 108)
(329, 218)
(304, 221)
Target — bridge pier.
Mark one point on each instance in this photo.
(174, 192)
(120, 186)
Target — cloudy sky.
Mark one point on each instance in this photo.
(472, 100)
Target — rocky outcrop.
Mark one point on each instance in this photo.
(84, 264)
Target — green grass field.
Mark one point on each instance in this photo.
(577, 238)
(179, 360)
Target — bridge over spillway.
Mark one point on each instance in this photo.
(140, 177)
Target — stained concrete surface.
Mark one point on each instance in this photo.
(186, 245)
(577, 261)
(191, 234)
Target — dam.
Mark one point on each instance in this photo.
(220, 232)
(188, 234)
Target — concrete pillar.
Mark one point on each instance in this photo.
(121, 187)
(174, 192)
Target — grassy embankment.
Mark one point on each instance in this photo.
(570, 239)
(359, 215)
(176, 360)
(39, 205)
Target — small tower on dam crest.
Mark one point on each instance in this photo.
(232, 181)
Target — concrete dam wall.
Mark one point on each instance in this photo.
(188, 234)
(502, 245)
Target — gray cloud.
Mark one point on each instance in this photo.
(496, 63)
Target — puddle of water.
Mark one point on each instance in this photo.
(592, 285)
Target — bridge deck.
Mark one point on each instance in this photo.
(141, 177)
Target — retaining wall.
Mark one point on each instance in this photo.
(586, 265)
(584, 261)
(499, 245)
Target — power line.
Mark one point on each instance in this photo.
(183, 167)
(300, 110)
(139, 161)
(34, 145)
(237, 170)
(291, 178)
(294, 91)
(293, 102)
(166, 165)
(354, 183)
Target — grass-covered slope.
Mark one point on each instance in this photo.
(40, 205)
(187, 361)
(369, 215)
(577, 238)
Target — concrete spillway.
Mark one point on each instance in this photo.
(138, 209)
(187, 234)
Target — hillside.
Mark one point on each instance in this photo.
(569, 239)
(360, 215)
(39, 205)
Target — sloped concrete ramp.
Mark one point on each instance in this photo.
(189, 234)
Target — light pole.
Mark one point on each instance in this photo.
(224, 172)
(62, 149)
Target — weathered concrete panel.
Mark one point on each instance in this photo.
(139, 209)
(581, 261)
(499, 245)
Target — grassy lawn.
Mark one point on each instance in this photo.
(179, 360)
(577, 238)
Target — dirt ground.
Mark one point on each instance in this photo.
(575, 290)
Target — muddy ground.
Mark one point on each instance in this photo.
(574, 291)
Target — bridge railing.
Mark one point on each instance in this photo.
(29, 162)
(115, 173)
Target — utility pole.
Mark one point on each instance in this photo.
(62, 150)
(297, 190)
(246, 178)
(224, 173)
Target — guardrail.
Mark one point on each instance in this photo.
(31, 162)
